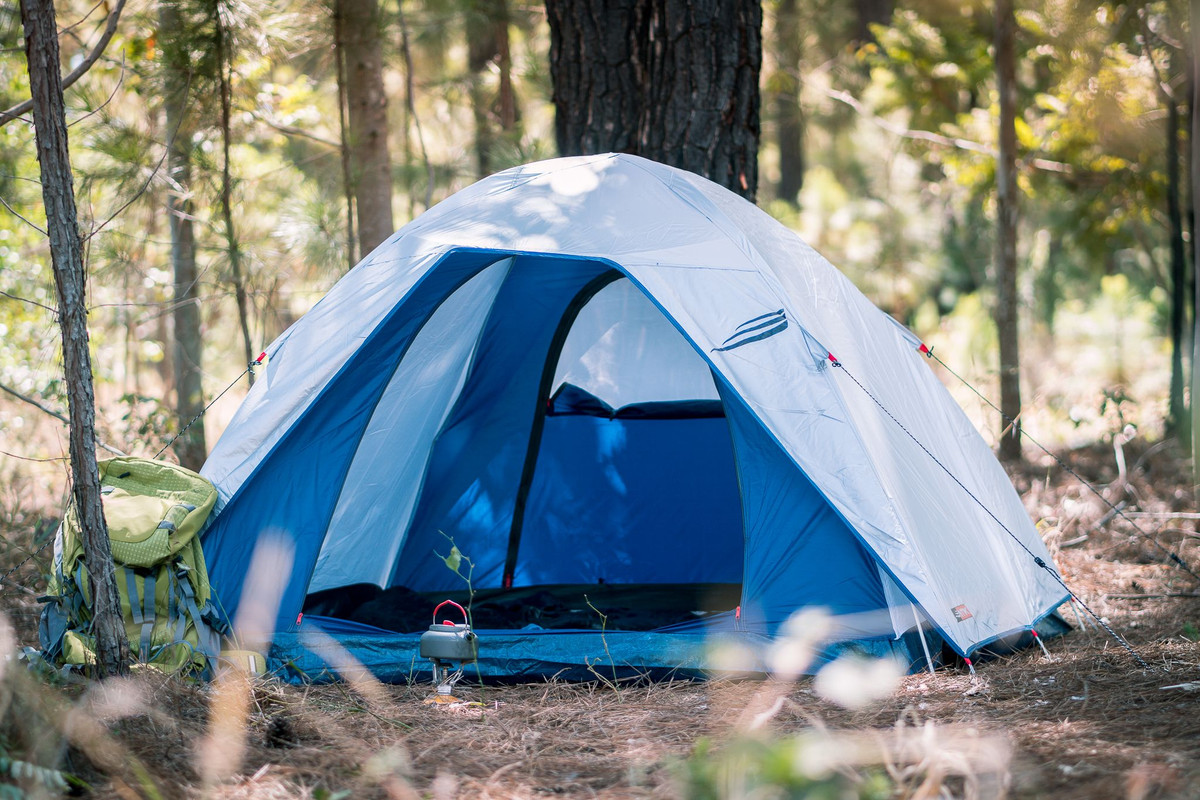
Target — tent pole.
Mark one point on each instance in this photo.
(921, 635)
(1078, 618)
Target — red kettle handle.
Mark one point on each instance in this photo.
(449, 603)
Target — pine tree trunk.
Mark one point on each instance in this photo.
(66, 255)
(785, 98)
(669, 80)
(190, 447)
(360, 50)
(1006, 315)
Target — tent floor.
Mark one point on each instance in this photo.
(629, 607)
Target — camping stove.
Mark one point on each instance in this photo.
(448, 642)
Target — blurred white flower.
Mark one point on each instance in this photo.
(854, 682)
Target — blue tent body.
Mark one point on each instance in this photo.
(603, 372)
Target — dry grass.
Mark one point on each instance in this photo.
(1087, 724)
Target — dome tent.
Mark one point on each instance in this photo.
(603, 371)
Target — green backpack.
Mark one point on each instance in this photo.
(155, 512)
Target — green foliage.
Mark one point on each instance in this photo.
(453, 560)
(148, 419)
(909, 218)
(785, 767)
(23, 773)
(1091, 143)
(321, 793)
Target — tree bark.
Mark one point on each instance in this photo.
(190, 447)
(785, 98)
(66, 255)
(669, 80)
(1006, 312)
(360, 51)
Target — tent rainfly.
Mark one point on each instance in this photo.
(613, 384)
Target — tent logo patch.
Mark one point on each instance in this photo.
(961, 613)
(755, 330)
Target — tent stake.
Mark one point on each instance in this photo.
(1042, 645)
(921, 634)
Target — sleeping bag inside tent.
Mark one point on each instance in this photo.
(597, 399)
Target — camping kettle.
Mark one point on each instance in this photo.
(446, 642)
(449, 641)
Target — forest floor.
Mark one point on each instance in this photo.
(1087, 723)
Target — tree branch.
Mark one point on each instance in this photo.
(291, 130)
(54, 414)
(110, 28)
(1044, 164)
(53, 311)
(13, 211)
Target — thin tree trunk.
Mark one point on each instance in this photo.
(1006, 315)
(366, 105)
(1177, 410)
(410, 109)
(482, 48)
(506, 101)
(66, 255)
(189, 392)
(339, 52)
(671, 80)
(225, 70)
(488, 42)
(785, 98)
(1195, 182)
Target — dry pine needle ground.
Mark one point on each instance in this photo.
(1087, 724)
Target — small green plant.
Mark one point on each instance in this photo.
(1191, 632)
(454, 562)
(591, 666)
(792, 767)
(22, 775)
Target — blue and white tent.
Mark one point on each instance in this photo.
(606, 371)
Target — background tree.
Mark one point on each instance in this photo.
(783, 89)
(366, 132)
(183, 85)
(496, 114)
(222, 20)
(66, 252)
(1007, 303)
(900, 144)
(670, 80)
